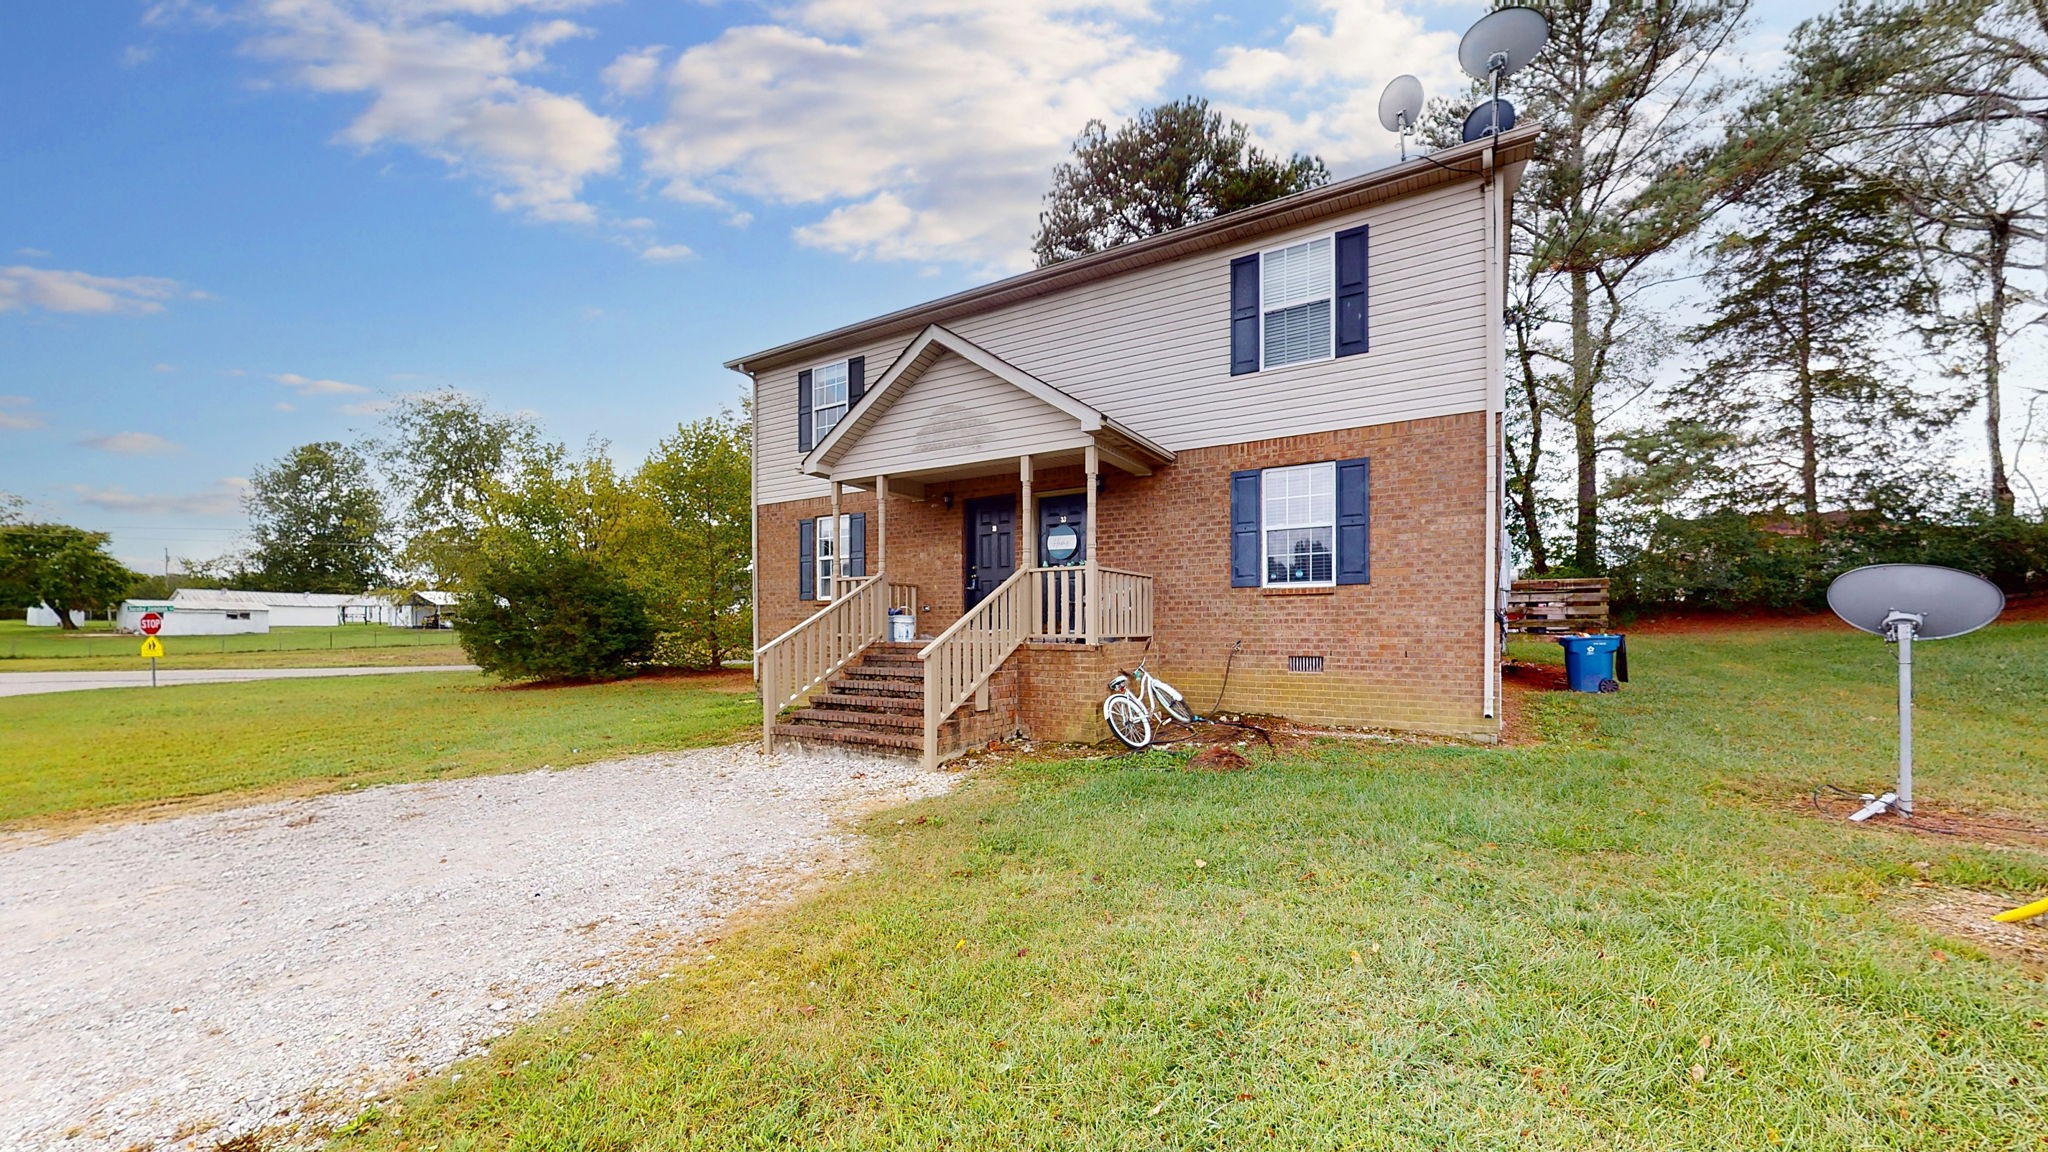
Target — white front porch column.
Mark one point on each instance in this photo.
(1027, 515)
(881, 524)
(1092, 597)
(838, 547)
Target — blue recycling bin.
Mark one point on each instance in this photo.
(1589, 662)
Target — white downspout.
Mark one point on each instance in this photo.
(1496, 367)
(754, 518)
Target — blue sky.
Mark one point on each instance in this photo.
(228, 227)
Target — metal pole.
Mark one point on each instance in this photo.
(1905, 804)
(152, 671)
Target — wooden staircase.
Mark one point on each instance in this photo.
(875, 704)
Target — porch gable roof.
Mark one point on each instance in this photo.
(1120, 445)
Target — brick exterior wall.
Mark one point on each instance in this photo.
(1405, 651)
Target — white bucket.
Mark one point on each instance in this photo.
(902, 629)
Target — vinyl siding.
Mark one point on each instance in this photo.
(1152, 348)
(955, 413)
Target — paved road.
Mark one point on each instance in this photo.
(31, 683)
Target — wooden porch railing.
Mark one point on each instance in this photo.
(904, 596)
(1059, 606)
(964, 656)
(801, 658)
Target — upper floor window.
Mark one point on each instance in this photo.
(1297, 312)
(1299, 303)
(828, 397)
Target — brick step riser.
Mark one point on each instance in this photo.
(901, 689)
(863, 705)
(823, 734)
(846, 718)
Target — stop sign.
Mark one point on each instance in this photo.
(151, 622)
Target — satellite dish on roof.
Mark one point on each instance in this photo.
(1502, 43)
(1904, 602)
(1489, 119)
(1400, 106)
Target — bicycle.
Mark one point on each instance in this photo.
(1130, 710)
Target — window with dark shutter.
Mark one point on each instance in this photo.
(1352, 332)
(856, 380)
(1244, 529)
(1354, 523)
(806, 559)
(1244, 315)
(803, 413)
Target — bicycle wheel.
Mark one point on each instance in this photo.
(1173, 704)
(1128, 720)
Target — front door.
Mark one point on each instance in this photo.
(991, 547)
(1063, 531)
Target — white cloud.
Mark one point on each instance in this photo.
(63, 290)
(666, 253)
(222, 499)
(924, 129)
(1318, 90)
(136, 55)
(32, 253)
(131, 444)
(15, 413)
(284, 406)
(635, 73)
(450, 91)
(305, 386)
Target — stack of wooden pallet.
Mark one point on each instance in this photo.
(1554, 607)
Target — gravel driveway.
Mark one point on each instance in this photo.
(181, 982)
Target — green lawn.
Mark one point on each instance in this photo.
(73, 754)
(19, 641)
(1633, 936)
(406, 656)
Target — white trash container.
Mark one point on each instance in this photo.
(902, 629)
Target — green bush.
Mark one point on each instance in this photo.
(1729, 560)
(554, 616)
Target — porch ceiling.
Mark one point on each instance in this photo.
(984, 436)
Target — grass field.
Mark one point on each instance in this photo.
(408, 656)
(1634, 935)
(73, 755)
(18, 641)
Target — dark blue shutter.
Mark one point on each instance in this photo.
(1354, 522)
(1351, 327)
(1244, 315)
(856, 381)
(854, 557)
(807, 557)
(803, 410)
(1245, 559)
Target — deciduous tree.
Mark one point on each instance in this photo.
(694, 560)
(65, 569)
(318, 522)
(440, 452)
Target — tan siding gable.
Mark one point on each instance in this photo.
(956, 413)
(1152, 349)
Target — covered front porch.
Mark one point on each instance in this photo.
(984, 486)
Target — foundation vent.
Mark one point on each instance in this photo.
(1304, 663)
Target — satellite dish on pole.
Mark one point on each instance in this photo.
(1902, 603)
(1489, 119)
(1500, 44)
(1400, 106)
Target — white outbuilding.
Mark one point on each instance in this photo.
(40, 616)
(427, 609)
(195, 615)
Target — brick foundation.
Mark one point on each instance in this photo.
(1405, 651)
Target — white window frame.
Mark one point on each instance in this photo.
(1330, 294)
(825, 554)
(819, 428)
(1267, 527)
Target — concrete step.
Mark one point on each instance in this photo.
(849, 718)
(866, 738)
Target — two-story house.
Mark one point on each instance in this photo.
(1266, 446)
